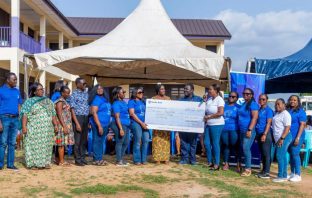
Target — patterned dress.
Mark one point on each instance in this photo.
(62, 139)
(40, 131)
(161, 141)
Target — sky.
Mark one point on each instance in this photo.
(259, 28)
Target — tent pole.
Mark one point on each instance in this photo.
(25, 77)
(228, 67)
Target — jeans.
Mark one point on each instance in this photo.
(8, 138)
(212, 138)
(188, 147)
(246, 144)
(81, 139)
(229, 140)
(265, 149)
(121, 141)
(139, 134)
(281, 157)
(294, 154)
(98, 142)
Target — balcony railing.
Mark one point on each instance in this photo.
(29, 44)
(5, 36)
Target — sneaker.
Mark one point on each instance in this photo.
(125, 163)
(279, 180)
(290, 176)
(121, 164)
(13, 168)
(183, 162)
(296, 178)
(79, 164)
(264, 176)
(259, 174)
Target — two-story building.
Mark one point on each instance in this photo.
(34, 26)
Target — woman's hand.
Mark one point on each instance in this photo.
(248, 134)
(24, 130)
(263, 138)
(280, 142)
(65, 130)
(296, 142)
(55, 129)
(144, 126)
(207, 117)
(121, 132)
(101, 131)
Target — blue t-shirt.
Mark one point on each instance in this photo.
(139, 108)
(121, 107)
(297, 117)
(264, 114)
(104, 110)
(244, 116)
(230, 117)
(10, 98)
(56, 95)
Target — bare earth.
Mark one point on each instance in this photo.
(171, 180)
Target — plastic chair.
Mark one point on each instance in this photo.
(308, 148)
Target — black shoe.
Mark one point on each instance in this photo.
(84, 162)
(14, 168)
(79, 164)
(264, 176)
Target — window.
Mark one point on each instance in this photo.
(212, 48)
(177, 92)
(31, 33)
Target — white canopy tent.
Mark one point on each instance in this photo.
(146, 47)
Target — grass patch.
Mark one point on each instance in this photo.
(285, 193)
(61, 195)
(157, 179)
(112, 190)
(33, 191)
(233, 191)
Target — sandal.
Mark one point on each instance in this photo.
(64, 164)
(246, 173)
(103, 163)
(226, 167)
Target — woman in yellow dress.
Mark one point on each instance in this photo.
(161, 139)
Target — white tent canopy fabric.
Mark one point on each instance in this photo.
(145, 46)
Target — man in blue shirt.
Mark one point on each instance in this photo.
(80, 111)
(189, 140)
(10, 102)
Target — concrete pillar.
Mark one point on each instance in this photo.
(25, 29)
(221, 48)
(43, 33)
(70, 43)
(42, 78)
(14, 66)
(61, 40)
(15, 22)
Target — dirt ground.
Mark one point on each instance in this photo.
(151, 180)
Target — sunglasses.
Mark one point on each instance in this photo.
(262, 99)
(140, 92)
(248, 94)
(232, 96)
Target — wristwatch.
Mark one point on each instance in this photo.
(282, 138)
(249, 129)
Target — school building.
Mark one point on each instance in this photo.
(35, 26)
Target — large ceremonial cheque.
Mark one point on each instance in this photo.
(173, 115)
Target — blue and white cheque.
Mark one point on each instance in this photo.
(173, 115)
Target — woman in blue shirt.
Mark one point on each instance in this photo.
(298, 122)
(56, 92)
(247, 120)
(139, 128)
(229, 135)
(100, 120)
(264, 135)
(120, 124)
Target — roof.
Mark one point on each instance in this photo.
(187, 27)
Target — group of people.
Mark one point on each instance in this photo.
(65, 118)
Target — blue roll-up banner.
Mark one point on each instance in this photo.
(256, 82)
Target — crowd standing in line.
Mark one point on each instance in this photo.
(65, 119)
